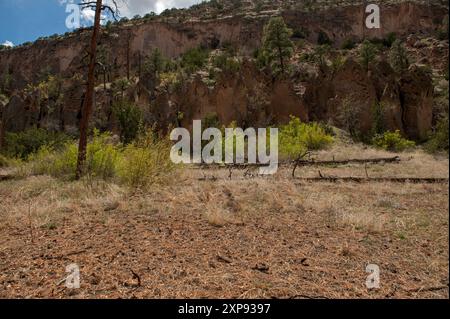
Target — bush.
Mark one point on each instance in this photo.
(145, 162)
(392, 141)
(130, 119)
(101, 159)
(194, 59)
(297, 137)
(323, 39)
(21, 145)
(438, 141)
(139, 164)
(390, 39)
(4, 162)
(226, 63)
(348, 44)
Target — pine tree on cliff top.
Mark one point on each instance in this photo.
(398, 57)
(277, 44)
(368, 53)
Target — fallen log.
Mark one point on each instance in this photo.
(6, 177)
(412, 180)
(395, 159)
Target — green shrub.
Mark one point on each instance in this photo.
(297, 137)
(348, 44)
(4, 162)
(130, 120)
(226, 62)
(438, 141)
(389, 40)
(101, 159)
(56, 163)
(22, 144)
(392, 141)
(323, 39)
(145, 162)
(194, 59)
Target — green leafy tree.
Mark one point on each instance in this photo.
(277, 44)
(398, 57)
(367, 53)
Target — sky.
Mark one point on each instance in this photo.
(27, 20)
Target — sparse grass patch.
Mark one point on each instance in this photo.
(363, 220)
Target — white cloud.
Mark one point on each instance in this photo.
(8, 44)
(130, 8)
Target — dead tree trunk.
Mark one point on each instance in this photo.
(2, 129)
(128, 56)
(89, 100)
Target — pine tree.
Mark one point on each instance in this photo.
(277, 45)
(367, 53)
(398, 57)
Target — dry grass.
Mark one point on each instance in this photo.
(268, 237)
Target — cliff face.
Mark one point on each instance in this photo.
(249, 97)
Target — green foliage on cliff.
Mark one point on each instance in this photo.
(367, 53)
(194, 59)
(398, 57)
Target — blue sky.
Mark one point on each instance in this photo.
(27, 20)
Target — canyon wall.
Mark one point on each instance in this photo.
(408, 100)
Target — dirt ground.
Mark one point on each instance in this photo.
(271, 237)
